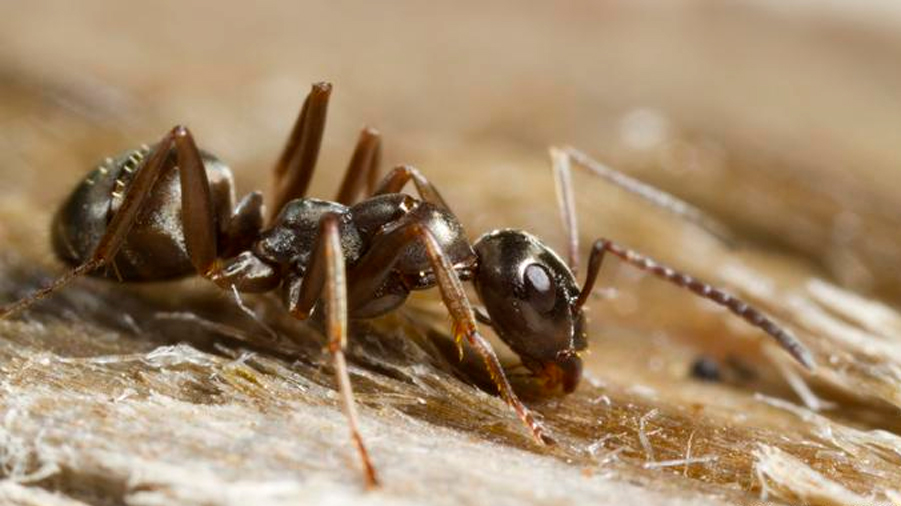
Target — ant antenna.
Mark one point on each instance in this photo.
(738, 307)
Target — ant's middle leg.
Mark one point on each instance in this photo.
(198, 213)
(363, 167)
(295, 167)
(372, 270)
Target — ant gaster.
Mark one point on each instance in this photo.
(167, 211)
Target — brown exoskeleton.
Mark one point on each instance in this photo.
(167, 211)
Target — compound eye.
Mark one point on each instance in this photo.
(540, 290)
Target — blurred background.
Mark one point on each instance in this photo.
(778, 118)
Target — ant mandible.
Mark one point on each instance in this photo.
(167, 211)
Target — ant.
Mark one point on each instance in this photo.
(166, 211)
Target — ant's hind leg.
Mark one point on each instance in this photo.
(197, 211)
(295, 167)
(363, 167)
(325, 278)
(738, 307)
(561, 160)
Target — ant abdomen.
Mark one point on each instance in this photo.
(155, 247)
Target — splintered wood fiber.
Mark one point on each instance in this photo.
(779, 119)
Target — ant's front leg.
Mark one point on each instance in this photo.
(371, 271)
(464, 326)
(325, 280)
(198, 214)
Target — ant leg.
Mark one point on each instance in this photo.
(199, 219)
(750, 314)
(561, 159)
(464, 326)
(364, 165)
(401, 175)
(326, 278)
(294, 169)
(246, 273)
(372, 178)
(369, 275)
(198, 215)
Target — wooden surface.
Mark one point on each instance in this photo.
(780, 119)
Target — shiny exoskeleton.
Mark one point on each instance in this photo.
(169, 211)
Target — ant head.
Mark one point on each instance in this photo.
(530, 295)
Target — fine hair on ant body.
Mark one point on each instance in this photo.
(167, 211)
